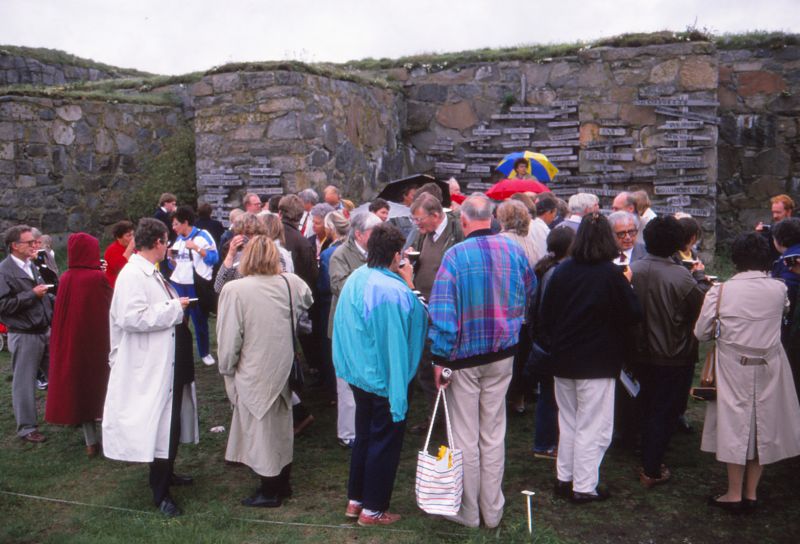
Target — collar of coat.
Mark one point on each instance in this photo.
(143, 264)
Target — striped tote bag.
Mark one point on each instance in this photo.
(440, 478)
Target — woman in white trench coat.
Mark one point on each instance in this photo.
(150, 398)
(255, 346)
(756, 418)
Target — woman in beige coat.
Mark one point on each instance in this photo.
(756, 417)
(254, 334)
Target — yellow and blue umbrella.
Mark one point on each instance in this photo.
(539, 166)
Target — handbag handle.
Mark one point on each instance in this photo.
(291, 313)
(441, 395)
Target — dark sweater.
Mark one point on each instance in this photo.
(589, 311)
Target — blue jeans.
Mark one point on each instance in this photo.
(545, 433)
(376, 451)
(199, 319)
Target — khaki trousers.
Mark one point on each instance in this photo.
(477, 401)
(585, 425)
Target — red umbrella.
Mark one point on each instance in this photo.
(507, 187)
(458, 198)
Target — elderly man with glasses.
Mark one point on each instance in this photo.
(626, 233)
(26, 308)
(435, 234)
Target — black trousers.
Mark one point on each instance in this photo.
(376, 451)
(663, 388)
(278, 486)
(161, 470)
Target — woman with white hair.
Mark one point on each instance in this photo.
(579, 205)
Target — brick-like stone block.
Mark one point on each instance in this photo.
(760, 82)
(698, 73)
(459, 116)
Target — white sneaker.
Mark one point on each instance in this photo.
(208, 360)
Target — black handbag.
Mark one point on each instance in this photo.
(296, 378)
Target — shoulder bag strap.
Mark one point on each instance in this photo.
(709, 374)
(291, 313)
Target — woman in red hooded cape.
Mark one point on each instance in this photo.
(79, 342)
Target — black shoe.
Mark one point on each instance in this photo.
(749, 505)
(562, 490)
(262, 501)
(178, 479)
(599, 495)
(169, 508)
(729, 506)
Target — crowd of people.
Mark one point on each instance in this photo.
(600, 315)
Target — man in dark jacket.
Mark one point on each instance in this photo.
(671, 301)
(167, 204)
(304, 259)
(26, 308)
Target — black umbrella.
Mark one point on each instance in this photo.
(393, 192)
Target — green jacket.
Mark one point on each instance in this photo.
(343, 261)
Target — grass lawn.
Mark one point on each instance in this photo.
(106, 501)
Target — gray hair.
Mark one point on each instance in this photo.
(235, 214)
(321, 210)
(338, 223)
(362, 222)
(429, 204)
(514, 217)
(308, 196)
(579, 202)
(477, 207)
(36, 233)
(622, 216)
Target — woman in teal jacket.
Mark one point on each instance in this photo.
(378, 334)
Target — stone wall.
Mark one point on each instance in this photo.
(282, 131)
(68, 166)
(16, 69)
(759, 150)
(713, 133)
(609, 118)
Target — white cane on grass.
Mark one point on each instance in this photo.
(528, 495)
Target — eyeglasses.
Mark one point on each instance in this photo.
(27, 242)
(623, 233)
(417, 220)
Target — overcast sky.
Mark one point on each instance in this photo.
(174, 37)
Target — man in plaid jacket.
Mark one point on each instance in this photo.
(477, 307)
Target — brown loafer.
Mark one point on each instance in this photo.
(35, 437)
(649, 482)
